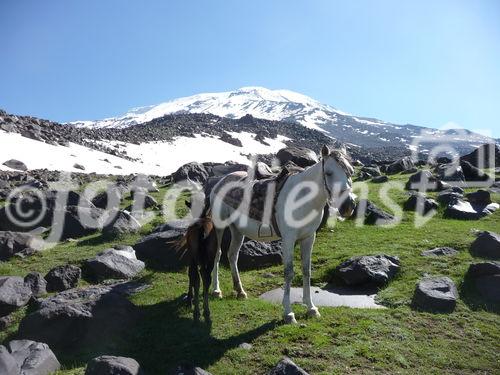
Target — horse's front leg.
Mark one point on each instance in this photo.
(287, 249)
(232, 254)
(306, 246)
(215, 273)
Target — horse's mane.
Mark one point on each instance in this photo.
(343, 159)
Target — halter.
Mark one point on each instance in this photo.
(328, 191)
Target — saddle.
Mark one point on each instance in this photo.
(251, 195)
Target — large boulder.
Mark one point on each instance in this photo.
(25, 357)
(23, 244)
(380, 179)
(78, 318)
(123, 223)
(486, 279)
(62, 278)
(420, 203)
(423, 181)
(486, 245)
(472, 173)
(372, 214)
(446, 197)
(254, 254)
(193, 171)
(479, 198)
(368, 270)
(435, 295)
(80, 221)
(111, 196)
(14, 294)
(15, 164)
(486, 156)
(400, 165)
(287, 367)
(111, 365)
(463, 210)
(373, 171)
(450, 173)
(301, 156)
(116, 263)
(159, 249)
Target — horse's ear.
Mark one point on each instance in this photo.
(343, 149)
(325, 151)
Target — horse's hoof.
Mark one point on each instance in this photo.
(290, 318)
(242, 295)
(313, 313)
(196, 316)
(217, 294)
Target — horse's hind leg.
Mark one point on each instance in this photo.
(195, 276)
(215, 273)
(287, 249)
(205, 274)
(232, 254)
(306, 249)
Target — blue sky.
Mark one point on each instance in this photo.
(426, 63)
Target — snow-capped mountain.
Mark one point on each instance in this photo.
(285, 105)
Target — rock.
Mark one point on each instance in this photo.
(420, 203)
(150, 202)
(486, 279)
(79, 318)
(16, 164)
(473, 174)
(78, 166)
(180, 226)
(373, 171)
(480, 198)
(373, 215)
(5, 322)
(262, 170)
(447, 197)
(463, 210)
(380, 179)
(159, 249)
(32, 358)
(114, 263)
(486, 245)
(194, 171)
(301, 156)
(12, 243)
(8, 364)
(423, 181)
(113, 195)
(440, 251)
(450, 173)
(368, 269)
(111, 365)
(187, 369)
(486, 156)
(80, 221)
(435, 295)
(245, 346)
(254, 254)
(287, 367)
(400, 165)
(36, 283)
(14, 294)
(229, 167)
(123, 223)
(61, 278)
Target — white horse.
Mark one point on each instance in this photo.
(298, 213)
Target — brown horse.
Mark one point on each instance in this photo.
(200, 244)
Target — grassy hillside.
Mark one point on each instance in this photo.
(344, 341)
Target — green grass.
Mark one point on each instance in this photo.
(396, 340)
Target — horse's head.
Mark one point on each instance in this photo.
(337, 178)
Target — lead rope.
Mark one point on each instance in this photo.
(328, 191)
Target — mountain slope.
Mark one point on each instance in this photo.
(285, 105)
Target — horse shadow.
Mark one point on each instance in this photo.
(161, 340)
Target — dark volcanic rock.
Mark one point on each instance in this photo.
(194, 171)
(16, 164)
(36, 282)
(486, 279)
(459, 209)
(372, 214)
(400, 165)
(436, 295)
(420, 203)
(160, 249)
(62, 278)
(25, 357)
(12, 243)
(76, 318)
(380, 179)
(486, 156)
(450, 173)
(440, 251)
(13, 294)
(80, 221)
(123, 223)
(254, 254)
(368, 269)
(115, 263)
(473, 174)
(486, 245)
(423, 181)
(111, 365)
(188, 369)
(446, 197)
(301, 156)
(480, 198)
(287, 367)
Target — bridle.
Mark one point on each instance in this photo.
(328, 191)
